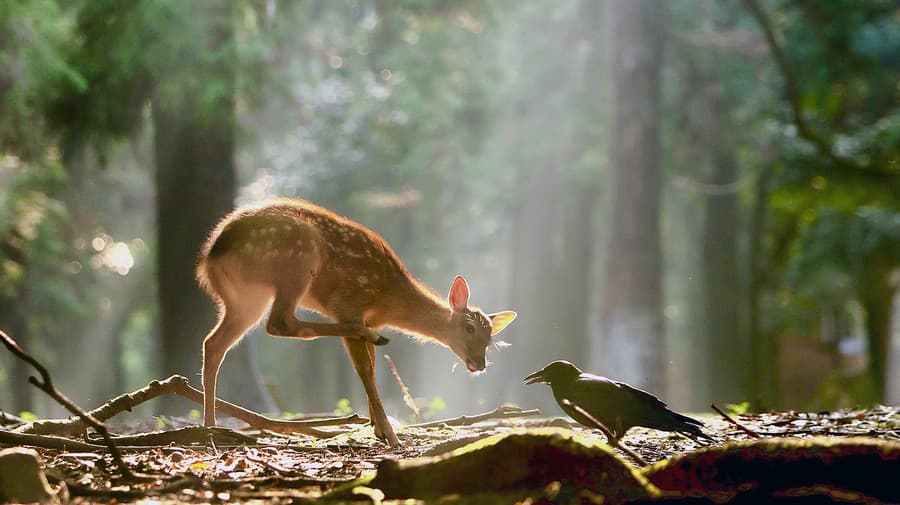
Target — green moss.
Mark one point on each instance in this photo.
(521, 459)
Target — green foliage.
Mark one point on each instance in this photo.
(434, 407)
(840, 243)
(28, 416)
(32, 56)
(423, 119)
(738, 409)
(343, 407)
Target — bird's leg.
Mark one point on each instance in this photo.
(612, 439)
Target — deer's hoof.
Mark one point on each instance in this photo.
(381, 340)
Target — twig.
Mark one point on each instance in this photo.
(47, 442)
(184, 481)
(260, 422)
(297, 481)
(121, 403)
(179, 385)
(706, 188)
(734, 422)
(7, 418)
(407, 398)
(186, 436)
(45, 384)
(610, 438)
(266, 462)
(501, 412)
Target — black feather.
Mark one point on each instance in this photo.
(617, 405)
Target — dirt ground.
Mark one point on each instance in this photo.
(278, 468)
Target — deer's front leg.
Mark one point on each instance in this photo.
(362, 354)
(283, 323)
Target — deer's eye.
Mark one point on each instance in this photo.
(470, 328)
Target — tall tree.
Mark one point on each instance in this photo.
(181, 59)
(194, 142)
(725, 339)
(631, 312)
(552, 243)
(846, 119)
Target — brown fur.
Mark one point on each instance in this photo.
(291, 253)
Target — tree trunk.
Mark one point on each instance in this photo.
(536, 335)
(13, 310)
(573, 304)
(876, 294)
(762, 345)
(631, 320)
(12, 320)
(725, 343)
(194, 143)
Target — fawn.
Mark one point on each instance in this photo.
(291, 253)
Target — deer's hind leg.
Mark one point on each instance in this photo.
(241, 306)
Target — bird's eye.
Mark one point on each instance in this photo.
(470, 328)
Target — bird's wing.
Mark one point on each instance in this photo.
(598, 396)
(653, 404)
(640, 395)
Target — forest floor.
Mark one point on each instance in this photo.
(290, 469)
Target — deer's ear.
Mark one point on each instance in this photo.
(500, 320)
(459, 294)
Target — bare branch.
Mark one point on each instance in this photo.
(407, 398)
(734, 422)
(46, 441)
(45, 384)
(260, 422)
(501, 412)
(822, 143)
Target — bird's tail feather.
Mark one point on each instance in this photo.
(691, 427)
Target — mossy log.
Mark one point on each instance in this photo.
(531, 462)
(848, 467)
(521, 459)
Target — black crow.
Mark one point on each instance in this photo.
(614, 404)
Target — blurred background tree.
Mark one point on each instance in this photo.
(700, 198)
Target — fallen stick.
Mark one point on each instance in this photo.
(7, 418)
(119, 404)
(182, 482)
(501, 412)
(45, 384)
(178, 384)
(47, 442)
(186, 436)
(261, 422)
(734, 422)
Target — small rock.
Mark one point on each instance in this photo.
(21, 477)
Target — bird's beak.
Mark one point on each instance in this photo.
(536, 378)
